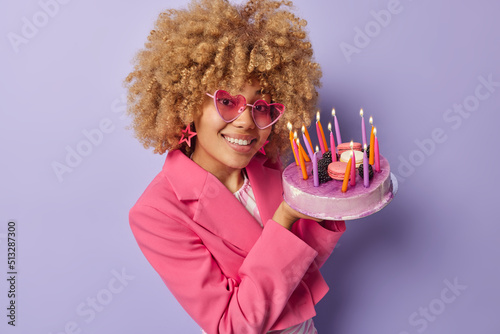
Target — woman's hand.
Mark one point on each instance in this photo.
(286, 216)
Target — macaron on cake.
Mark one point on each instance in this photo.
(346, 155)
(347, 147)
(336, 170)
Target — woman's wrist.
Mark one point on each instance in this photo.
(284, 217)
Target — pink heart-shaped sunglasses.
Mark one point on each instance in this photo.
(231, 107)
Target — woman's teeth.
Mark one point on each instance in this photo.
(241, 142)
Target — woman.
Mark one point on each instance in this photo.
(211, 87)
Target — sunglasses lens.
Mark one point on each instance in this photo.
(265, 114)
(227, 105)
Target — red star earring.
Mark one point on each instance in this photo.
(187, 134)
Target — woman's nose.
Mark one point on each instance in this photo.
(245, 120)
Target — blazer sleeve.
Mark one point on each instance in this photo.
(221, 304)
(322, 236)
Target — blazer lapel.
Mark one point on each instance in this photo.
(220, 212)
(217, 208)
(266, 185)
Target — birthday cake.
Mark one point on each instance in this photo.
(328, 201)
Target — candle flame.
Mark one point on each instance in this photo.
(330, 126)
(295, 135)
(303, 129)
(317, 148)
(365, 147)
(317, 116)
(352, 145)
(298, 142)
(289, 126)
(375, 132)
(371, 120)
(333, 112)
(361, 112)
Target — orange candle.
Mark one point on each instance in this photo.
(304, 130)
(372, 143)
(323, 136)
(347, 175)
(289, 126)
(325, 145)
(292, 141)
(302, 163)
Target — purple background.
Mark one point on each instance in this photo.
(391, 270)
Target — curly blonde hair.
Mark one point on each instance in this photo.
(216, 45)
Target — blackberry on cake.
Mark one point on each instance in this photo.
(323, 167)
(370, 171)
(367, 151)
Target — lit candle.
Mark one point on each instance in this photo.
(315, 167)
(302, 162)
(366, 170)
(300, 148)
(319, 138)
(353, 167)
(321, 135)
(307, 143)
(295, 148)
(347, 175)
(332, 143)
(292, 143)
(337, 129)
(372, 142)
(376, 153)
(304, 131)
(363, 129)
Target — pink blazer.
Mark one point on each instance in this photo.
(230, 274)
